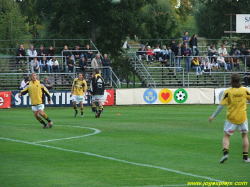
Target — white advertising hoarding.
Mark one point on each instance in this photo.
(165, 96)
(242, 23)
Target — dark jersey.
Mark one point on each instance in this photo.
(97, 85)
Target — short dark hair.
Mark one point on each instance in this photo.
(96, 71)
(235, 80)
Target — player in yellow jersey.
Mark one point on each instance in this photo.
(36, 92)
(236, 98)
(79, 87)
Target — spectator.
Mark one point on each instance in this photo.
(244, 50)
(47, 83)
(187, 54)
(196, 66)
(186, 38)
(76, 53)
(234, 51)
(24, 83)
(20, 54)
(31, 52)
(96, 63)
(41, 53)
(222, 50)
(89, 54)
(157, 52)
(34, 65)
(221, 61)
(172, 51)
(106, 68)
(247, 78)
(179, 53)
(142, 52)
(70, 65)
(228, 62)
(54, 65)
(44, 65)
(66, 53)
(51, 52)
(83, 65)
(214, 65)
(150, 54)
(205, 63)
(235, 62)
(194, 46)
(164, 55)
(212, 53)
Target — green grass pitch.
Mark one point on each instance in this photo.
(163, 145)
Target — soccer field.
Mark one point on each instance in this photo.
(163, 145)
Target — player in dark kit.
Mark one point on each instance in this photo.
(97, 92)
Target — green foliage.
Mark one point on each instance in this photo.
(12, 25)
(212, 21)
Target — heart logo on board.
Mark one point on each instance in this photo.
(165, 96)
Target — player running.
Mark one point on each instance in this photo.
(36, 92)
(78, 87)
(235, 97)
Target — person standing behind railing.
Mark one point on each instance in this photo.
(194, 46)
(179, 53)
(187, 54)
(172, 52)
(106, 71)
(20, 54)
(96, 63)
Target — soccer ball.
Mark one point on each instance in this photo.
(115, 1)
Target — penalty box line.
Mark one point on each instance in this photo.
(115, 159)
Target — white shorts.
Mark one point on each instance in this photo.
(99, 98)
(37, 107)
(77, 98)
(229, 128)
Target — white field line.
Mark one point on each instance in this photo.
(115, 159)
(68, 138)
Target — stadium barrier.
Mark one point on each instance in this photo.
(59, 99)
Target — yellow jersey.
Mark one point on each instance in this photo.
(236, 99)
(79, 86)
(36, 92)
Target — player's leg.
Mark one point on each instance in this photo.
(225, 145)
(82, 109)
(75, 108)
(46, 117)
(99, 110)
(93, 103)
(38, 117)
(245, 146)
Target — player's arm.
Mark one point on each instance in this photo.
(24, 91)
(85, 89)
(217, 111)
(72, 88)
(46, 92)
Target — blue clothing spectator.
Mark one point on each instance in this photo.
(44, 65)
(185, 38)
(106, 68)
(187, 54)
(83, 64)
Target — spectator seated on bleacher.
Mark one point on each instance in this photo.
(47, 83)
(24, 83)
(150, 54)
(41, 53)
(235, 62)
(195, 64)
(66, 54)
(20, 55)
(142, 52)
(212, 53)
(221, 61)
(54, 65)
(234, 50)
(205, 64)
(157, 52)
(31, 53)
(76, 53)
(164, 55)
(89, 54)
(51, 52)
(44, 65)
(245, 53)
(34, 65)
(228, 62)
(214, 65)
(83, 65)
(222, 50)
(70, 65)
